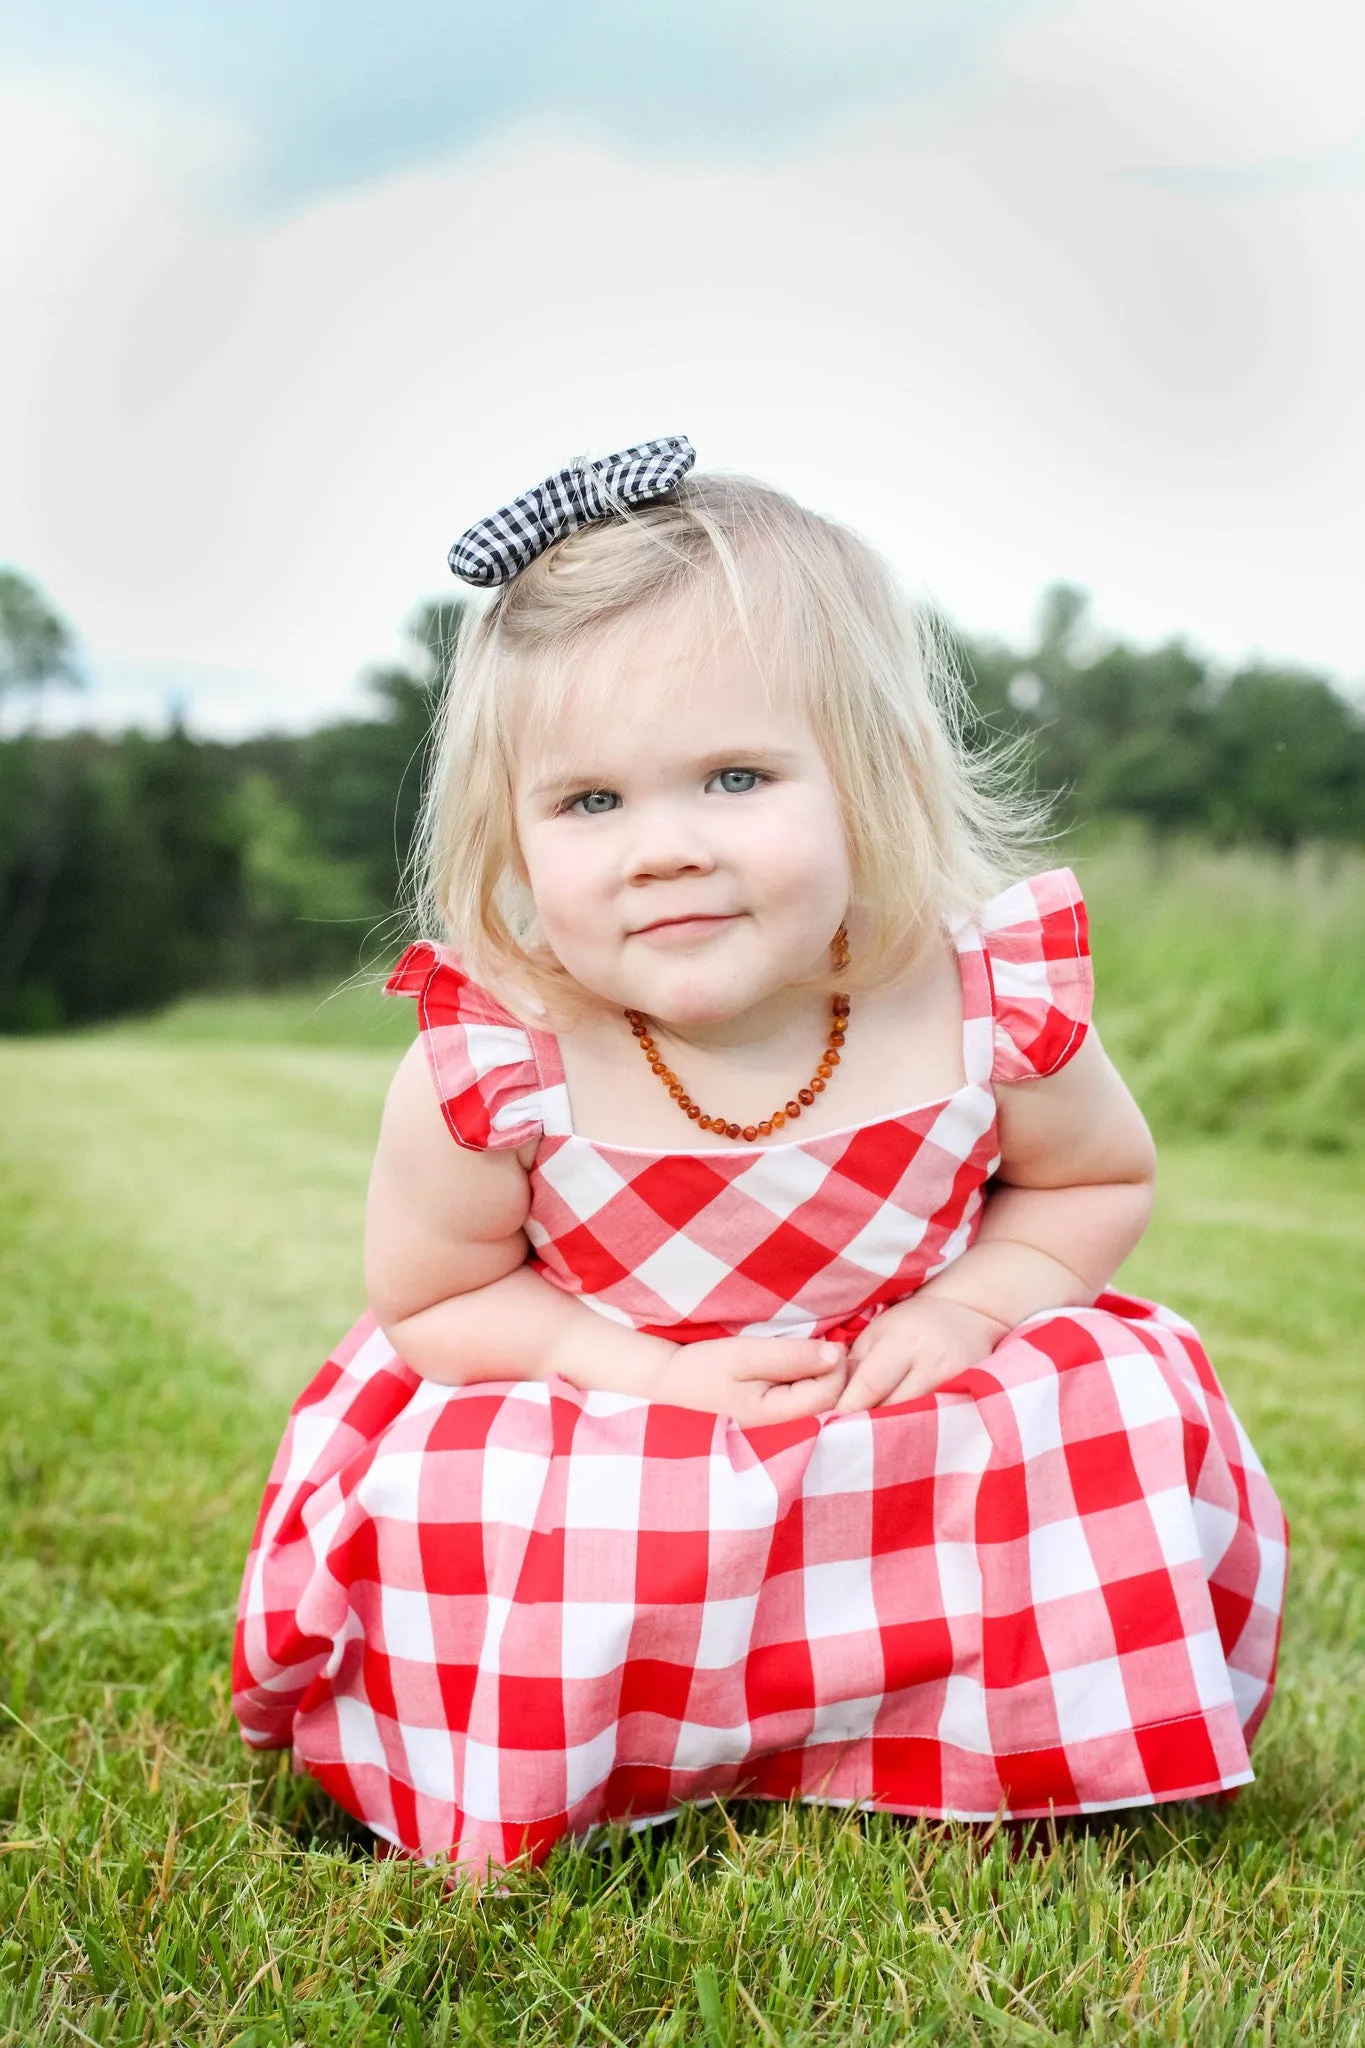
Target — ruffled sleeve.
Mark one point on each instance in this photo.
(488, 1069)
(1037, 947)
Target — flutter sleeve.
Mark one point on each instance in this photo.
(484, 1062)
(1037, 947)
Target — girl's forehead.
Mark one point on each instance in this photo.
(663, 691)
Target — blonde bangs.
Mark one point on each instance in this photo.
(933, 826)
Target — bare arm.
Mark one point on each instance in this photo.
(445, 1265)
(1071, 1199)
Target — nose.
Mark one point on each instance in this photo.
(668, 840)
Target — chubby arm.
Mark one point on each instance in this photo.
(445, 1262)
(1071, 1199)
(445, 1266)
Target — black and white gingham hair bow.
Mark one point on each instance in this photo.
(497, 547)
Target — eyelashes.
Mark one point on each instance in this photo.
(586, 803)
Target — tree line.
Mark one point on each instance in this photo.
(134, 868)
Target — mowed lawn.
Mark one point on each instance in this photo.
(179, 1244)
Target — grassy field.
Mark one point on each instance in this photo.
(179, 1244)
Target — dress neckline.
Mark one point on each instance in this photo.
(976, 1004)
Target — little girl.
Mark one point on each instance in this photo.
(743, 1406)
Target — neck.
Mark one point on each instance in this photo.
(790, 1015)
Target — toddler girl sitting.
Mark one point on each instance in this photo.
(743, 1407)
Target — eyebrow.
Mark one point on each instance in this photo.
(718, 758)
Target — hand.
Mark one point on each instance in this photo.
(754, 1379)
(914, 1347)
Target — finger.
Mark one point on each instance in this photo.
(923, 1378)
(780, 1360)
(873, 1378)
(790, 1403)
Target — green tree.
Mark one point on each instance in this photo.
(36, 650)
(36, 644)
(1287, 759)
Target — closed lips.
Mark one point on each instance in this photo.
(696, 917)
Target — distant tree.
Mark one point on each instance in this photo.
(358, 784)
(36, 649)
(1274, 755)
(1287, 759)
(36, 644)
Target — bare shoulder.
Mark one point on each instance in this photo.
(1079, 1125)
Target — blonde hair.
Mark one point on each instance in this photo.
(933, 827)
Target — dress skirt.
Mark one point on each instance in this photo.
(484, 1618)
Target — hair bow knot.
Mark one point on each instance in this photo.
(496, 548)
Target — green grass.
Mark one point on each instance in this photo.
(355, 1014)
(179, 1243)
(1232, 986)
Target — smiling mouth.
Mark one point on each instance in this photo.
(663, 924)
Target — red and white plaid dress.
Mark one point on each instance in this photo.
(486, 1617)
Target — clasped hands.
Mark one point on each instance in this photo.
(906, 1351)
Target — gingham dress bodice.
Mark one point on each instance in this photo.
(804, 1238)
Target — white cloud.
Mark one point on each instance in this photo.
(243, 454)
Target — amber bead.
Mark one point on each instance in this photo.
(832, 1055)
(749, 1133)
(805, 1095)
(684, 1101)
(793, 1109)
(779, 1118)
(731, 1130)
(765, 1129)
(675, 1089)
(824, 1070)
(693, 1111)
(817, 1085)
(646, 1043)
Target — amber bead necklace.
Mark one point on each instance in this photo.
(746, 1134)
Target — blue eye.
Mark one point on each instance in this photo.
(594, 803)
(737, 781)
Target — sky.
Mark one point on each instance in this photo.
(1023, 290)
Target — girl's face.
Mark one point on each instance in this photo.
(681, 834)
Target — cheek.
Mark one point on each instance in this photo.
(564, 879)
(803, 852)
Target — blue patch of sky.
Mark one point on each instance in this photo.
(329, 96)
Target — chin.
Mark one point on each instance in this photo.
(694, 1001)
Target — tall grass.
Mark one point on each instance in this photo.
(1231, 986)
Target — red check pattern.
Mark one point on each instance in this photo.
(485, 1617)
